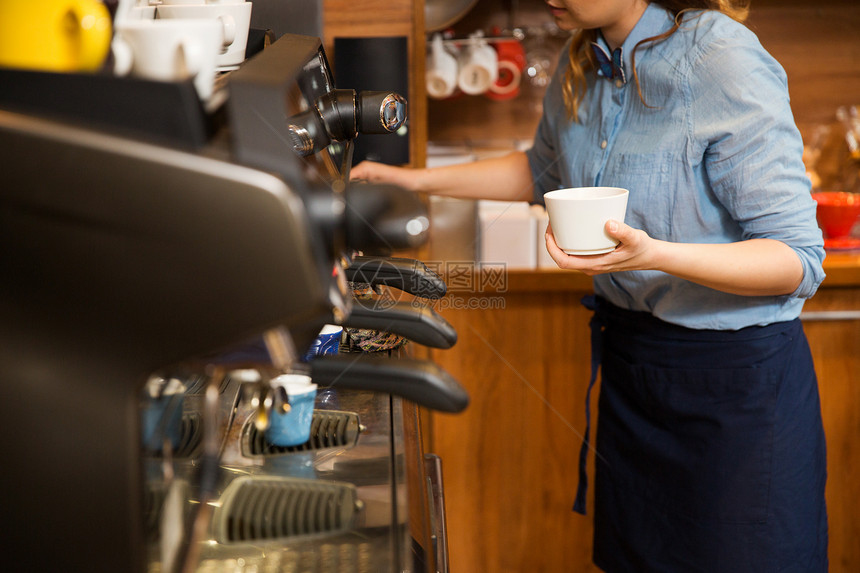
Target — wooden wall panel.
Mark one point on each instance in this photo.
(835, 346)
(818, 44)
(511, 459)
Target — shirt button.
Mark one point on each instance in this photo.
(603, 144)
(618, 83)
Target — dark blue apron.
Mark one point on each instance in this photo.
(710, 452)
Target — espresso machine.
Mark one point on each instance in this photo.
(144, 249)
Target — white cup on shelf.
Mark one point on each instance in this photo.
(478, 67)
(441, 73)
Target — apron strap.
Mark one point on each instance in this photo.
(596, 324)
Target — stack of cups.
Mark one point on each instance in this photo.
(233, 15)
(185, 39)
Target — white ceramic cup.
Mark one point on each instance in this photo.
(133, 10)
(234, 17)
(478, 67)
(164, 50)
(578, 216)
(441, 73)
(142, 13)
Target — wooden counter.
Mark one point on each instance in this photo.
(511, 458)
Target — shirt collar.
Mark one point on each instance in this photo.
(653, 22)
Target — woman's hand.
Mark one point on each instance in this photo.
(505, 178)
(753, 267)
(632, 253)
(373, 172)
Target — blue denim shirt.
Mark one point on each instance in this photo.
(714, 157)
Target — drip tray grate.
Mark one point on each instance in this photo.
(329, 429)
(260, 508)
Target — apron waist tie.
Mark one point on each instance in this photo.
(596, 324)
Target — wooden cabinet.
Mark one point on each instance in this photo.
(834, 338)
(511, 459)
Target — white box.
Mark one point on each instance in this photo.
(507, 234)
(544, 261)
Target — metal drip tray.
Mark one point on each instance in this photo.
(329, 429)
(260, 508)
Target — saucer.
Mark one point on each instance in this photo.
(588, 253)
(842, 244)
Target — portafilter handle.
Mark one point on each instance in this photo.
(409, 275)
(419, 323)
(421, 381)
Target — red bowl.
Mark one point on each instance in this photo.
(837, 212)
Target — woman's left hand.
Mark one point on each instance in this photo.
(632, 253)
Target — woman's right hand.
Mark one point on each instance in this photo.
(505, 178)
(373, 172)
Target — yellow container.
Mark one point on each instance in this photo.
(54, 35)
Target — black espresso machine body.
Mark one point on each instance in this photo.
(127, 254)
(120, 258)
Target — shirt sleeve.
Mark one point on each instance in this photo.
(543, 155)
(740, 114)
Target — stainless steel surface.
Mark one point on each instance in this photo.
(392, 112)
(375, 537)
(453, 231)
(433, 466)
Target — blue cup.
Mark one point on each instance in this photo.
(327, 342)
(293, 428)
(161, 414)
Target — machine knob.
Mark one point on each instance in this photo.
(380, 112)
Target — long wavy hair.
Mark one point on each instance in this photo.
(581, 57)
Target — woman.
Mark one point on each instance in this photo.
(710, 441)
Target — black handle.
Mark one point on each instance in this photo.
(421, 381)
(418, 323)
(408, 275)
